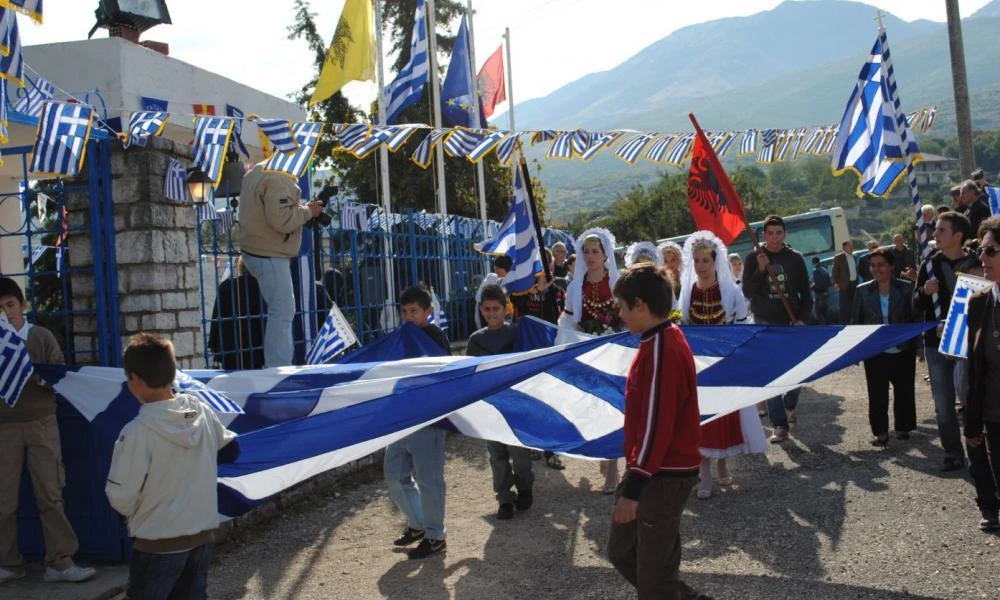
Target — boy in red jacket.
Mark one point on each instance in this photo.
(662, 435)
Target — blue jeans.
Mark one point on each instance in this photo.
(777, 406)
(177, 576)
(274, 276)
(414, 474)
(942, 372)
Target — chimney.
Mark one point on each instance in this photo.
(127, 32)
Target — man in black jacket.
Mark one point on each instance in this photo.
(774, 269)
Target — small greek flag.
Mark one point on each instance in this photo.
(35, 96)
(175, 182)
(658, 150)
(681, 150)
(955, 337)
(399, 135)
(462, 141)
(278, 132)
(749, 144)
(994, 197)
(810, 143)
(489, 142)
(598, 142)
(237, 116)
(206, 212)
(728, 138)
(544, 135)
(211, 136)
(295, 164)
(630, 150)
(351, 136)
(61, 143)
(769, 142)
(830, 141)
(15, 364)
(142, 126)
(11, 63)
(335, 337)
(561, 146)
(216, 400)
(784, 143)
(438, 316)
(422, 155)
(378, 136)
(408, 86)
(32, 8)
(37, 254)
(4, 121)
(505, 149)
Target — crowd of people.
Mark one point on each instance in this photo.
(667, 452)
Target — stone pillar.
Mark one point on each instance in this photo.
(156, 251)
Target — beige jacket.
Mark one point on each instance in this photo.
(270, 214)
(37, 399)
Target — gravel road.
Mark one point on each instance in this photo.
(823, 516)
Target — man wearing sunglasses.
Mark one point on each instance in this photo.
(950, 259)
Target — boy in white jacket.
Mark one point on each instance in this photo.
(163, 477)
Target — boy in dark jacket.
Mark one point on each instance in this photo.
(662, 435)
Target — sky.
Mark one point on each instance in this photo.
(553, 42)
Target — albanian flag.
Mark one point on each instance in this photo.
(715, 205)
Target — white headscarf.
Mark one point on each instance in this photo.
(672, 245)
(732, 297)
(574, 293)
(640, 250)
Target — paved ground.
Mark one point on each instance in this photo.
(824, 516)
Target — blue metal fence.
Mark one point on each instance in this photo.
(353, 260)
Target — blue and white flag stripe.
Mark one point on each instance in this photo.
(993, 194)
(61, 142)
(278, 132)
(955, 336)
(211, 136)
(15, 365)
(175, 182)
(35, 96)
(218, 401)
(630, 150)
(409, 83)
(335, 337)
(749, 143)
(681, 150)
(658, 150)
(296, 163)
(422, 155)
(489, 142)
(143, 125)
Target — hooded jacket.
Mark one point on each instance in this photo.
(164, 472)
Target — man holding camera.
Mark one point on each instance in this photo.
(270, 232)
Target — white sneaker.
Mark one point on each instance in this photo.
(8, 575)
(74, 574)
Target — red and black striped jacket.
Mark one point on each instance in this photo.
(662, 420)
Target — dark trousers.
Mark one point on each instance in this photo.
(984, 467)
(899, 369)
(647, 551)
(177, 576)
(847, 302)
(502, 459)
(821, 308)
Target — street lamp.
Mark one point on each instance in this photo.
(137, 15)
(199, 185)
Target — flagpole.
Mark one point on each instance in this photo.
(442, 195)
(383, 156)
(510, 81)
(480, 174)
(753, 234)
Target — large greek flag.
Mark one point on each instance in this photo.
(15, 364)
(955, 337)
(409, 83)
(517, 239)
(61, 142)
(869, 141)
(302, 421)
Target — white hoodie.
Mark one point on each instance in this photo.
(163, 472)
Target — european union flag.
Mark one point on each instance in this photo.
(458, 105)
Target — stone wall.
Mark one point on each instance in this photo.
(156, 253)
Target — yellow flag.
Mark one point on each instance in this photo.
(351, 56)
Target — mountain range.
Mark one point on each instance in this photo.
(792, 66)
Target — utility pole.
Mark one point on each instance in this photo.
(960, 82)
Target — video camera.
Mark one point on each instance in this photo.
(323, 219)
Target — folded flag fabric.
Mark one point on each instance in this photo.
(301, 421)
(296, 163)
(220, 403)
(15, 364)
(278, 132)
(175, 182)
(35, 96)
(955, 336)
(142, 126)
(211, 137)
(61, 142)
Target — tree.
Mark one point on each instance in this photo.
(410, 186)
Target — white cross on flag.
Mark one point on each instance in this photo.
(61, 143)
(211, 136)
(955, 337)
(15, 364)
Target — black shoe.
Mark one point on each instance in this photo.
(880, 441)
(990, 523)
(409, 536)
(524, 500)
(951, 464)
(536, 455)
(506, 510)
(902, 435)
(427, 547)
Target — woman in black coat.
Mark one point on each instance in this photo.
(982, 413)
(886, 300)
